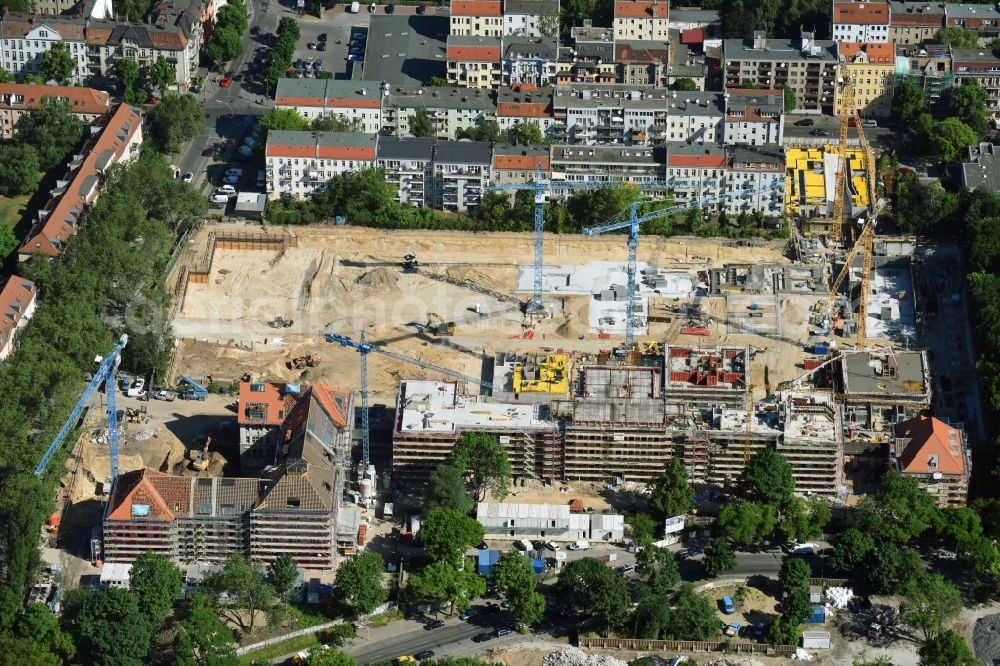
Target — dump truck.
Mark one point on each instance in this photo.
(307, 361)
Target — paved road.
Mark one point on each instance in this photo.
(410, 638)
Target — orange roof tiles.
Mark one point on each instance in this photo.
(474, 53)
(49, 234)
(520, 162)
(327, 152)
(265, 397)
(935, 446)
(16, 297)
(524, 109)
(861, 13)
(476, 8)
(80, 100)
(319, 101)
(330, 399)
(641, 9)
(696, 160)
(880, 54)
(136, 489)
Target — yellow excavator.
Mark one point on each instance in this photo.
(438, 326)
(199, 460)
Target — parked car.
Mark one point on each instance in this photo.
(231, 180)
(166, 396)
(802, 548)
(727, 605)
(226, 81)
(805, 122)
(234, 171)
(469, 614)
(483, 637)
(819, 131)
(311, 45)
(424, 655)
(553, 546)
(624, 569)
(390, 8)
(226, 189)
(502, 631)
(188, 177)
(434, 624)
(321, 37)
(321, 47)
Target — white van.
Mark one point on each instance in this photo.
(220, 199)
(579, 545)
(226, 189)
(523, 544)
(355, 7)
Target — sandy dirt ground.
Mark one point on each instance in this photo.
(345, 280)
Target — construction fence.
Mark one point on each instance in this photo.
(730, 647)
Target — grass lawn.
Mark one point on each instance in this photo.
(11, 207)
(282, 648)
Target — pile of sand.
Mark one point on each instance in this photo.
(378, 280)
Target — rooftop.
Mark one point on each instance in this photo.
(524, 101)
(405, 49)
(529, 47)
(513, 510)
(974, 55)
(434, 406)
(476, 8)
(720, 368)
(621, 382)
(539, 7)
(982, 167)
(17, 295)
(935, 447)
(440, 97)
(520, 157)
(406, 148)
(685, 155)
(861, 13)
(916, 13)
(988, 12)
(781, 50)
(902, 374)
(814, 422)
(474, 48)
(262, 403)
(641, 9)
(694, 15)
(644, 155)
(328, 92)
(27, 96)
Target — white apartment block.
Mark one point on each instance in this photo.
(530, 61)
(754, 117)
(359, 101)
(695, 172)
(474, 61)
(301, 163)
(24, 39)
(642, 20)
(861, 22)
(479, 18)
(531, 18)
(449, 175)
(630, 164)
(757, 175)
(449, 109)
(525, 103)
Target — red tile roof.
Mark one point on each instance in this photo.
(524, 109)
(641, 9)
(476, 8)
(16, 296)
(880, 54)
(692, 36)
(333, 101)
(861, 13)
(137, 489)
(261, 394)
(935, 447)
(520, 162)
(696, 160)
(326, 152)
(330, 399)
(49, 235)
(474, 53)
(80, 100)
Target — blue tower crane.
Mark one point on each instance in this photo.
(633, 223)
(365, 348)
(105, 373)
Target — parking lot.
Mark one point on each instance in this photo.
(338, 25)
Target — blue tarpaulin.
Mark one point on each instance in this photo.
(487, 558)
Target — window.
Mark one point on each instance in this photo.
(293, 501)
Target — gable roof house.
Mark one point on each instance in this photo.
(936, 454)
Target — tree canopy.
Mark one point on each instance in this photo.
(162, 75)
(485, 463)
(928, 602)
(18, 169)
(719, 557)
(956, 38)
(282, 574)
(526, 133)
(156, 582)
(446, 487)
(176, 119)
(201, 638)
(244, 581)
(447, 581)
(53, 130)
(591, 587)
(421, 123)
(127, 72)
(671, 493)
(359, 580)
(58, 63)
(514, 577)
(109, 627)
(767, 478)
(447, 534)
(946, 649)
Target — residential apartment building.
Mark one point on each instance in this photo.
(18, 300)
(24, 38)
(526, 103)
(696, 172)
(407, 165)
(982, 19)
(807, 66)
(642, 63)
(119, 140)
(914, 22)
(981, 167)
(618, 113)
(449, 175)
(865, 22)
(755, 179)
(356, 101)
(936, 453)
(483, 18)
(206, 519)
(982, 66)
(300, 163)
(529, 60)
(708, 21)
(754, 117)
(474, 61)
(928, 66)
(531, 18)
(261, 409)
(449, 109)
(641, 19)
(18, 99)
(630, 164)
(519, 164)
(872, 68)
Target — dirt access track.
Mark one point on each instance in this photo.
(232, 281)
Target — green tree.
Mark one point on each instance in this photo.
(176, 119)
(852, 549)
(335, 122)
(447, 534)
(643, 527)
(162, 75)
(514, 577)
(957, 38)
(684, 84)
(110, 629)
(692, 617)
(589, 585)
(783, 630)
(5, 76)
(244, 581)
(276, 68)
(907, 103)
(488, 132)
(526, 133)
(58, 63)
(36, 632)
(671, 493)
(748, 522)
(436, 82)
(767, 478)
(232, 15)
(980, 557)
(53, 131)
(899, 510)
(485, 462)
(789, 97)
(719, 557)
(659, 568)
(967, 102)
(359, 580)
(282, 574)
(283, 119)
(447, 581)
(804, 520)
(794, 580)
(225, 45)
(421, 123)
(329, 657)
(135, 11)
(18, 169)
(156, 582)
(949, 139)
(946, 649)
(446, 487)
(201, 638)
(289, 26)
(127, 73)
(887, 567)
(928, 602)
(363, 197)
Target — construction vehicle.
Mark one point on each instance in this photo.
(196, 392)
(438, 326)
(307, 361)
(199, 459)
(281, 322)
(410, 263)
(136, 415)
